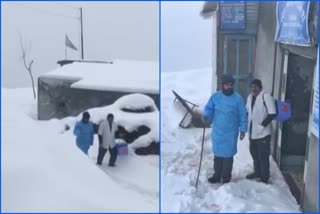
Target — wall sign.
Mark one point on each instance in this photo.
(232, 15)
(292, 23)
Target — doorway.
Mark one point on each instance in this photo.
(295, 131)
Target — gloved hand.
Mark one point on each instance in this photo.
(206, 121)
(197, 112)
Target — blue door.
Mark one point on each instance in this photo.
(238, 61)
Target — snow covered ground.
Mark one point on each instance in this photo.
(180, 149)
(43, 170)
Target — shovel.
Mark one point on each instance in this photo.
(201, 154)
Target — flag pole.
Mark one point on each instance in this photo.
(81, 25)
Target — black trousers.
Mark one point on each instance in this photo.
(113, 155)
(260, 151)
(223, 168)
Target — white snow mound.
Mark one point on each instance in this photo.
(43, 170)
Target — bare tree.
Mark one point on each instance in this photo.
(28, 65)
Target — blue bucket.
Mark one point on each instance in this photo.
(122, 148)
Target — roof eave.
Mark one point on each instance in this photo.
(208, 9)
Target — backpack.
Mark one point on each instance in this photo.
(283, 110)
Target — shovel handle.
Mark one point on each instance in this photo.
(201, 154)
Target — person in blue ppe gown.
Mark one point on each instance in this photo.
(227, 114)
(83, 131)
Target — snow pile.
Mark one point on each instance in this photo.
(180, 149)
(121, 75)
(43, 170)
(135, 101)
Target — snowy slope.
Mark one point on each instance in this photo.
(180, 150)
(43, 171)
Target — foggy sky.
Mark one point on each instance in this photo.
(186, 38)
(125, 30)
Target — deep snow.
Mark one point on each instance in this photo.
(43, 170)
(180, 149)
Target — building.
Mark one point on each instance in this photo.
(81, 85)
(247, 44)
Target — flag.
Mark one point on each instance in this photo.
(70, 44)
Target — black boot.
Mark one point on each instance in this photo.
(217, 166)
(227, 169)
(264, 180)
(214, 179)
(224, 181)
(252, 176)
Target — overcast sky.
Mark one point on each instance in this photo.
(186, 38)
(111, 30)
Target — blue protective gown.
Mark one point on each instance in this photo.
(228, 114)
(84, 133)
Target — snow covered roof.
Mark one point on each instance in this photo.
(121, 75)
(208, 8)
